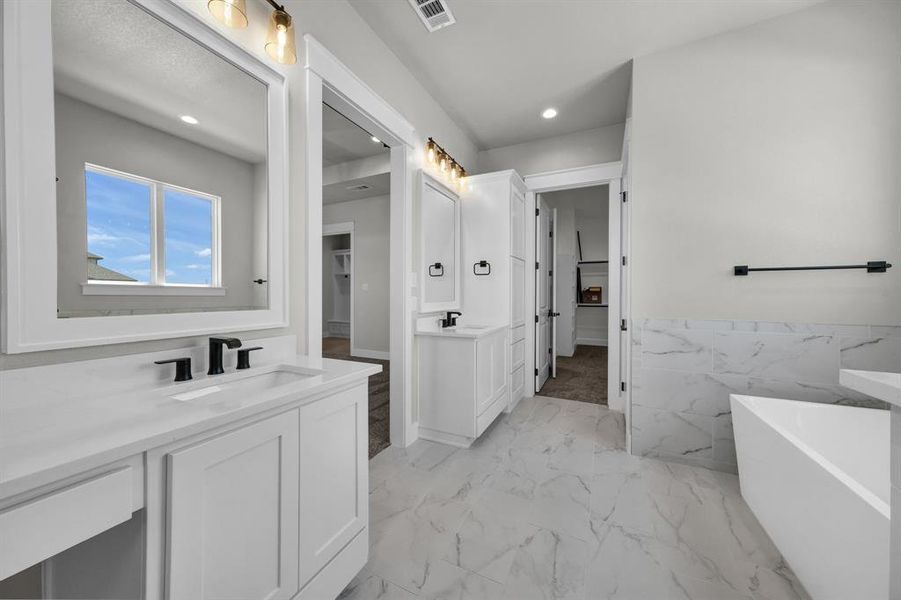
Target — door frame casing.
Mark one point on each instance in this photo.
(328, 79)
(609, 174)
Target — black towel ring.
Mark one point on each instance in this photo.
(482, 264)
(438, 270)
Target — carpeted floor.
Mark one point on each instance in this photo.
(582, 377)
(378, 392)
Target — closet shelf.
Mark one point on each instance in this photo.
(593, 262)
(598, 305)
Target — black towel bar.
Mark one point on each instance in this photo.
(873, 266)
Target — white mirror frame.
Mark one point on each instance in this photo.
(427, 180)
(29, 271)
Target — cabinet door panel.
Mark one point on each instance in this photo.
(491, 370)
(517, 292)
(232, 514)
(517, 224)
(334, 490)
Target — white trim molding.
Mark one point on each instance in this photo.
(29, 311)
(609, 174)
(97, 288)
(328, 79)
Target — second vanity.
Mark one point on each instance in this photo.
(252, 484)
(462, 381)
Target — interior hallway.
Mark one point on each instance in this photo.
(379, 392)
(582, 377)
(548, 505)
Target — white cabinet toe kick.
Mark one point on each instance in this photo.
(273, 505)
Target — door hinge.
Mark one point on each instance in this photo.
(625, 195)
(537, 211)
(550, 234)
(536, 318)
(536, 265)
(622, 386)
(536, 372)
(550, 273)
(550, 351)
(624, 261)
(623, 326)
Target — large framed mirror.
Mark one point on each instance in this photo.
(145, 160)
(439, 246)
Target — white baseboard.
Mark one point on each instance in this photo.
(591, 342)
(376, 354)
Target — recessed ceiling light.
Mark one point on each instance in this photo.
(189, 119)
(549, 113)
(376, 140)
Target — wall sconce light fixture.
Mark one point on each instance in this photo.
(445, 163)
(280, 37)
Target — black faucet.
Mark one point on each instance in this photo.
(450, 320)
(216, 344)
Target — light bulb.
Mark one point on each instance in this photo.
(454, 170)
(430, 151)
(280, 39)
(442, 163)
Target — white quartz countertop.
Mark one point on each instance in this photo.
(462, 331)
(42, 441)
(880, 385)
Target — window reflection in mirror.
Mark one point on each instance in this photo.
(161, 160)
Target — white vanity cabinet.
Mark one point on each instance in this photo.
(232, 514)
(494, 230)
(462, 382)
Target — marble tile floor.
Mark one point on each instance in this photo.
(547, 505)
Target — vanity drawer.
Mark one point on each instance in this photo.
(38, 529)
(517, 334)
(517, 355)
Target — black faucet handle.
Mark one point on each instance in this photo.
(182, 367)
(244, 357)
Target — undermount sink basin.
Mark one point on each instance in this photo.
(238, 385)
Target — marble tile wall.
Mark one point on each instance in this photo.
(684, 370)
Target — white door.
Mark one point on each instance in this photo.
(543, 294)
(552, 282)
(232, 514)
(334, 477)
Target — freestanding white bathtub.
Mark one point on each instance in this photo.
(817, 478)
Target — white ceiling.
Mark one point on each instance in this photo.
(343, 140)
(116, 56)
(377, 185)
(506, 60)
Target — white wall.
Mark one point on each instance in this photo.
(778, 144)
(579, 149)
(88, 134)
(338, 26)
(371, 219)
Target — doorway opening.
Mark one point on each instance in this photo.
(356, 220)
(574, 233)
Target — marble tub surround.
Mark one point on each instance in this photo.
(683, 371)
(548, 505)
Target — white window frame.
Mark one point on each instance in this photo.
(157, 284)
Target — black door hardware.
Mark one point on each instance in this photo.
(873, 266)
(438, 270)
(551, 313)
(244, 357)
(259, 281)
(182, 367)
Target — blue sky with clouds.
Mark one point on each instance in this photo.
(118, 213)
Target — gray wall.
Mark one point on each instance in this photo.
(371, 218)
(88, 134)
(777, 144)
(579, 149)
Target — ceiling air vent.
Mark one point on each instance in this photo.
(357, 188)
(434, 14)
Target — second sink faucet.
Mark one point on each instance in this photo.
(450, 320)
(216, 344)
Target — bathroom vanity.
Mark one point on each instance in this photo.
(462, 381)
(251, 484)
